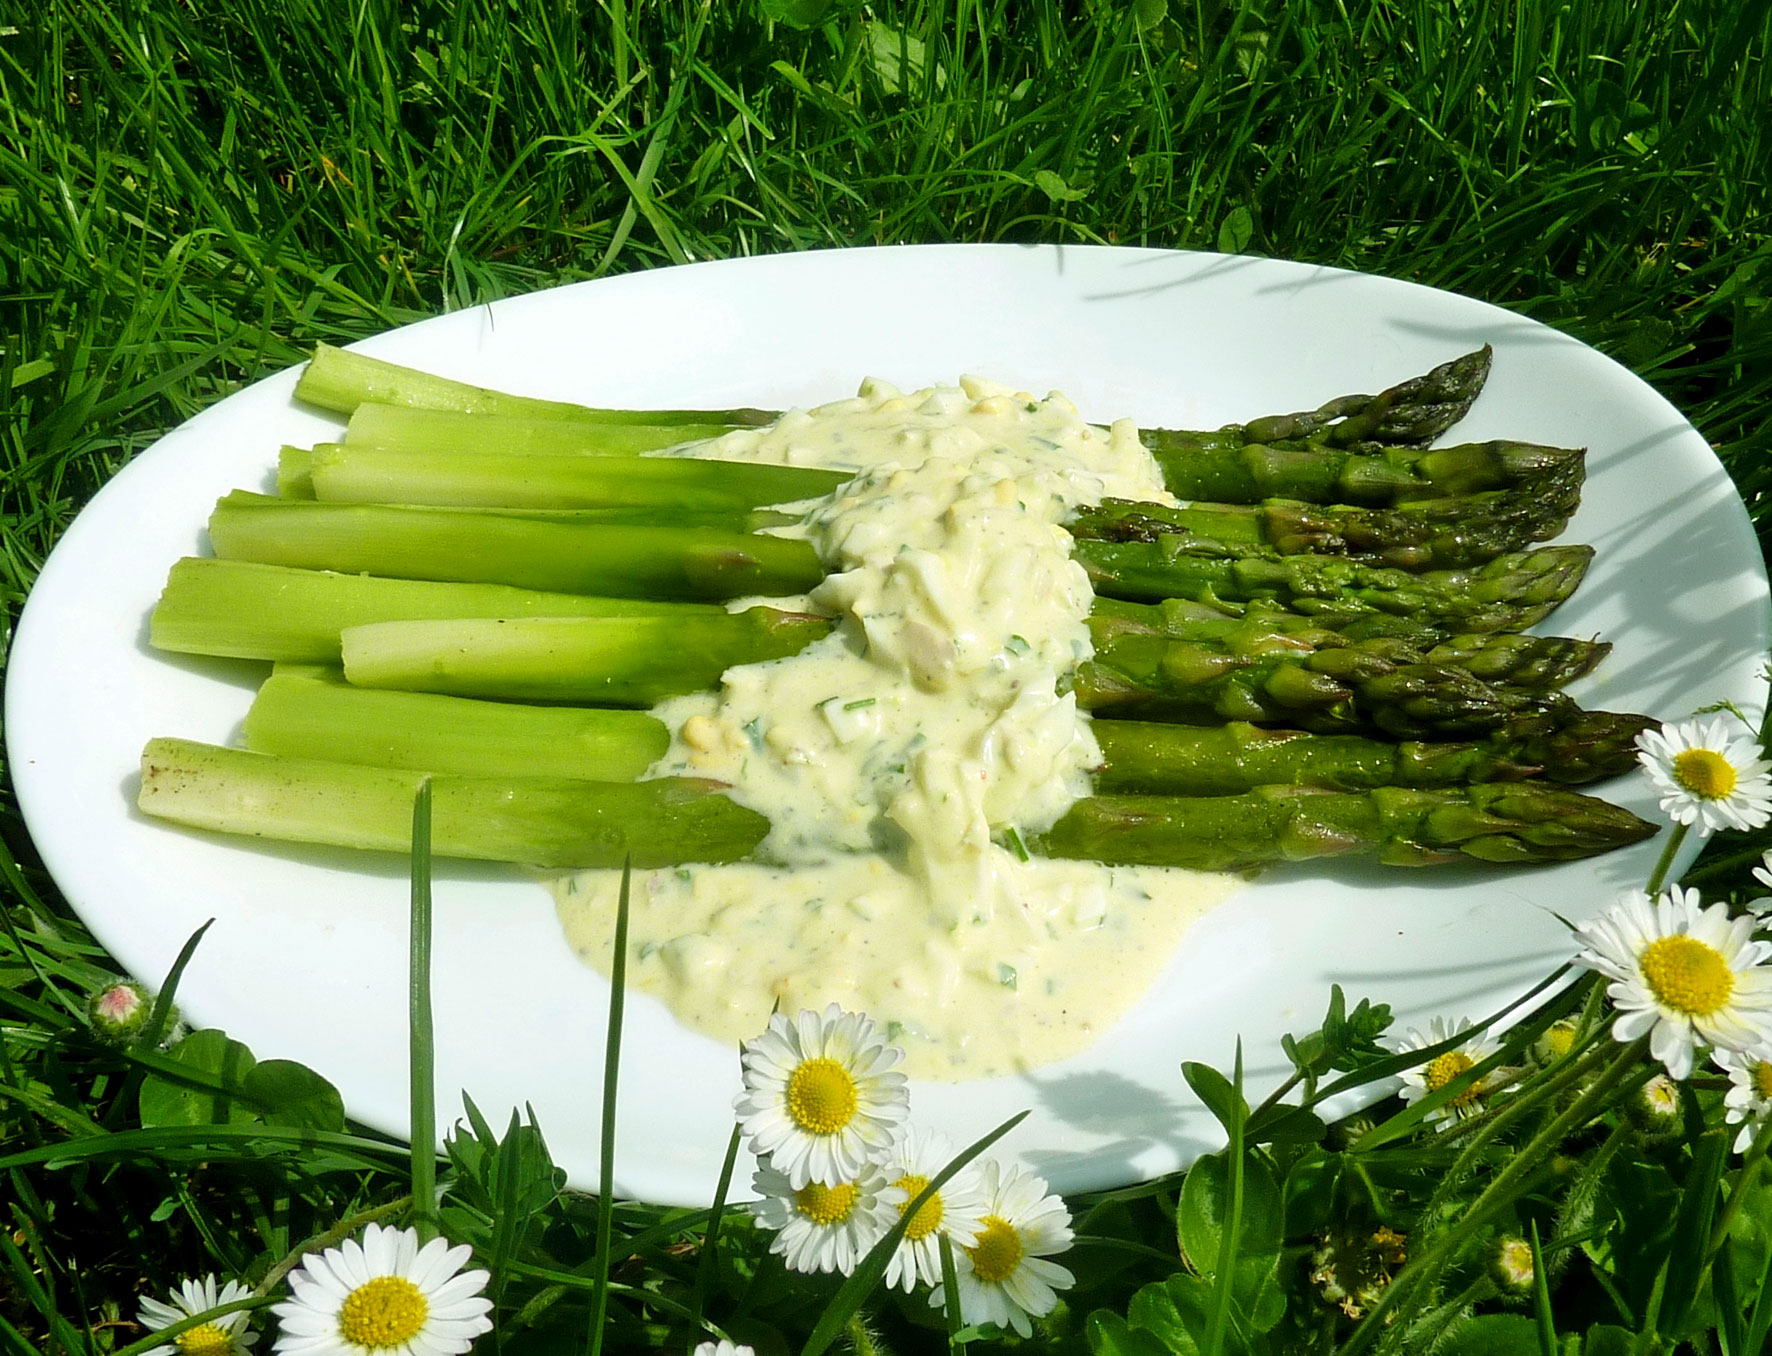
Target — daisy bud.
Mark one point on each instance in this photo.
(1556, 1042)
(1510, 1265)
(118, 1011)
(1655, 1108)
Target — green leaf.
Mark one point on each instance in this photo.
(1111, 1335)
(806, 13)
(1217, 1095)
(1055, 188)
(213, 1096)
(1309, 1192)
(1172, 1311)
(293, 1094)
(1283, 1123)
(897, 58)
(1199, 1227)
(1689, 1248)
(1236, 231)
(1493, 1335)
(1149, 13)
(1608, 1339)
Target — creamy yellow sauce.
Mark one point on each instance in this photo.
(904, 759)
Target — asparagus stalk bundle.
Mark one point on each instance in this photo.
(467, 554)
(1358, 448)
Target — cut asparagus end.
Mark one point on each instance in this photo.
(340, 379)
(562, 554)
(406, 428)
(243, 610)
(497, 479)
(314, 713)
(633, 661)
(539, 821)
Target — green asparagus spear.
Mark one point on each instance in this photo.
(311, 712)
(1393, 475)
(1159, 758)
(1509, 593)
(1502, 822)
(1410, 414)
(541, 821)
(342, 474)
(1433, 534)
(623, 661)
(1530, 663)
(340, 380)
(1324, 691)
(243, 610)
(561, 554)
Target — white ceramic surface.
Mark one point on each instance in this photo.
(307, 957)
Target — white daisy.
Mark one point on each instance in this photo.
(826, 1228)
(1748, 1102)
(386, 1294)
(1437, 1072)
(225, 1336)
(1763, 874)
(723, 1348)
(821, 1098)
(1681, 972)
(954, 1211)
(1004, 1277)
(1706, 776)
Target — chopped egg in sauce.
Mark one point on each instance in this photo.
(904, 760)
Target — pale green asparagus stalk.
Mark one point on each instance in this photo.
(340, 380)
(560, 553)
(542, 821)
(243, 610)
(312, 712)
(624, 661)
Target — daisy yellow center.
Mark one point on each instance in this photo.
(387, 1311)
(1687, 975)
(997, 1252)
(825, 1205)
(204, 1340)
(1704, 772)
(821, 1096)
(927, 1220)
(1760, 1076)
(1442, 1069)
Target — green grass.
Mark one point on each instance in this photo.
(192, 193)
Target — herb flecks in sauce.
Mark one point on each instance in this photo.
(899, 757)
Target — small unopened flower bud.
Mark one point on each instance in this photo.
(119, 1010)
(1556, 1042)
(1510, 1265)
(1655, 1108)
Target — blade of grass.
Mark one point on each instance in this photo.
(618, 968)
(421, 1046)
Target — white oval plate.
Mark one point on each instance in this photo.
(307, 957)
